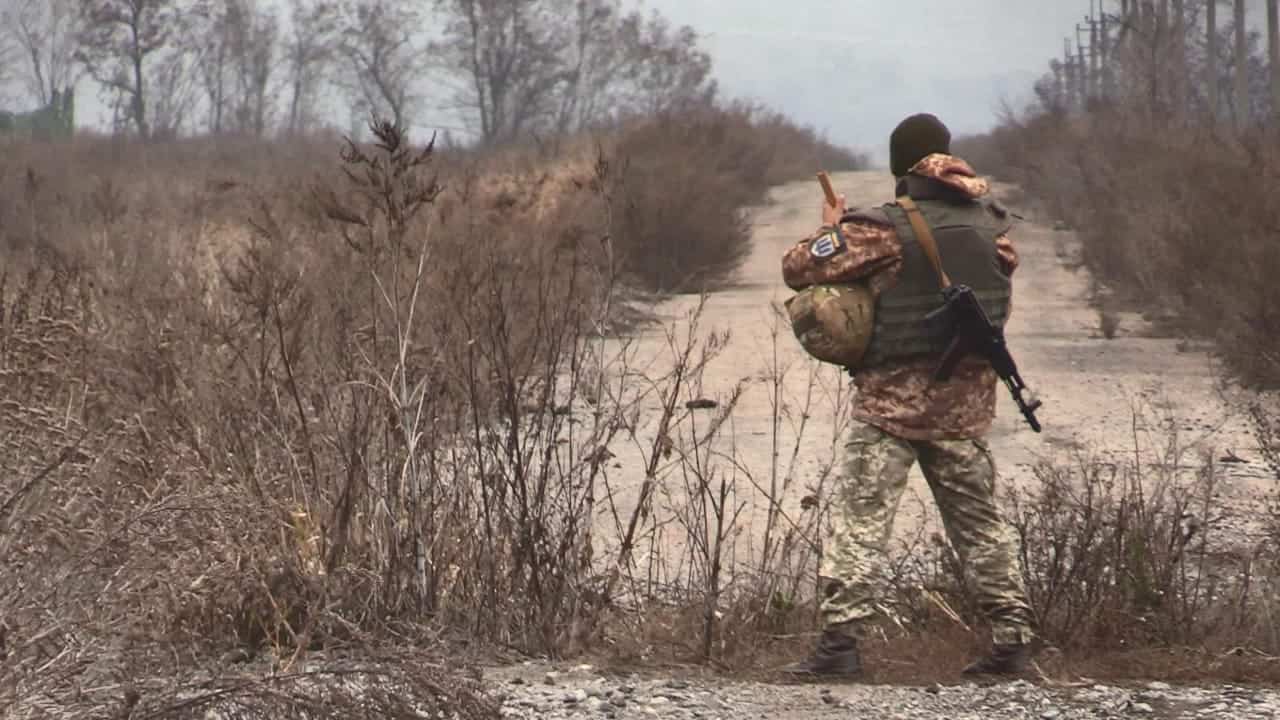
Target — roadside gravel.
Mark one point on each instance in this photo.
(536, 690)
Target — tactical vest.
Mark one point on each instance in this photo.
(966, 232)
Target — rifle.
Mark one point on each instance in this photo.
(962, 318)
(827, 190)
(971, 331)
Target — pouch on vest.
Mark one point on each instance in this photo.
(833, 322)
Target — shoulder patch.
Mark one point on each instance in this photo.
(826, 246)
(869, 216)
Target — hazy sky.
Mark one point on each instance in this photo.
(853, 68)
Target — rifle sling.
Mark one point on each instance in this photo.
(925, 237)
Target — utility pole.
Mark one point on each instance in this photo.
(1273, 52)
(1086, 78)
(1133, 32)
(1211, 63)
(1160, 55)
(1059, 94)
(1069, 75)
(1179, 57)
(1242, 69)
(1108, 73)
(1095, 55)
(1128, 22)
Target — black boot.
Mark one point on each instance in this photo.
(1004, 660)
(836, 655)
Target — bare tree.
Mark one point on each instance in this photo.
(1211, 58)
(172, 91)
(255, 40)
(128, 44)
(626, 64)
(213, 43)
(561, 65)
(592, 57)
(8, 59)
(237, 47)
(667, 66)
(1241, 105)
(508, 52)
(45, 34)
(1180, 76)
(308, 54)
(1273, 55)
(377, 41)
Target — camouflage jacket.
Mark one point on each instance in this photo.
(903, 399)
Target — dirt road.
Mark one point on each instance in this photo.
(1102, 397)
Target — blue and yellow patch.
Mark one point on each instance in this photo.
(826, 246)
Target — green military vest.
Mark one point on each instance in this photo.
(965, 230)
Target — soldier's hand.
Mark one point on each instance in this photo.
(831, 214)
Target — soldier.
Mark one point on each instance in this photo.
(903, 415)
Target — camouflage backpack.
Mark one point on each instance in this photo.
(833, 319)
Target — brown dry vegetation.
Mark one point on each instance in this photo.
(1135, 570)
(335, 414)
(263, 401)
(1174, 205)
(1178, 217)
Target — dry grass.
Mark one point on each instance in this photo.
(290, 411)
(1146, 567)
(265, 406)
(1174, 217)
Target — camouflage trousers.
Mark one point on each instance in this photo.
(961, 474)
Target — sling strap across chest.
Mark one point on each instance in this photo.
(925, 237)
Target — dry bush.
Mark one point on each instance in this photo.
(1134, 557)
(388, 410)
(259, 406)
(721, 559)
(1266, 425)
(687, 178)
(1174, 216)
(1143, 560)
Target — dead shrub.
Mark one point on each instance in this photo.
(1176, 218)
(258, 407)
(685, 180)
(1174, 215)
(1124, 557)
(387, 410)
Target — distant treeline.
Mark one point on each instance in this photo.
(494, 69)
(1160, 142)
